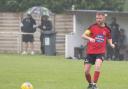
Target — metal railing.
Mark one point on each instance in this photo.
(9, 36)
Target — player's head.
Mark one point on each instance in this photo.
(100, 18)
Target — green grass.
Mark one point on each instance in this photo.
(55, 72)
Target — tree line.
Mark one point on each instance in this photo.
(59, 6)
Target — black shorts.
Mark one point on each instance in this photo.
(27, 38)
(91, 58)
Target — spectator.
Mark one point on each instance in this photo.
(28, 27)
(46, 25)
(122, 38)
(114, 53)
(115, 30)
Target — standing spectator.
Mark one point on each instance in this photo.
(122, 38)
(115, 30)
(115, 38)
(46, 25)
(28, 27)
(97, 35)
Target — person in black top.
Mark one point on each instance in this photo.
(115, 31)
(122, 39)
(28, 27)
(46, 25)
(114, 53)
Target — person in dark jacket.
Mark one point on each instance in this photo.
(28, 27)
(46, 25)
(114, 26)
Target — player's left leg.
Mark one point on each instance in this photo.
(98, 65)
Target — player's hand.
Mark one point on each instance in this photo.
(35, 26)
(113, 45)
(91, 40)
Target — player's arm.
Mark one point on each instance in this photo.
(111, 44)
(86, 35)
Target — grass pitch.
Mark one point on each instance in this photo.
(55, 72)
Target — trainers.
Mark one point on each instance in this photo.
(90, 86)
(94, 86)
(32, 53)
(24, 52)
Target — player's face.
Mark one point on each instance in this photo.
(100, 19)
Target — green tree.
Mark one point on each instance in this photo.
(58, 6)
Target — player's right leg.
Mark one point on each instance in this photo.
(87, 68)
(89, 61)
